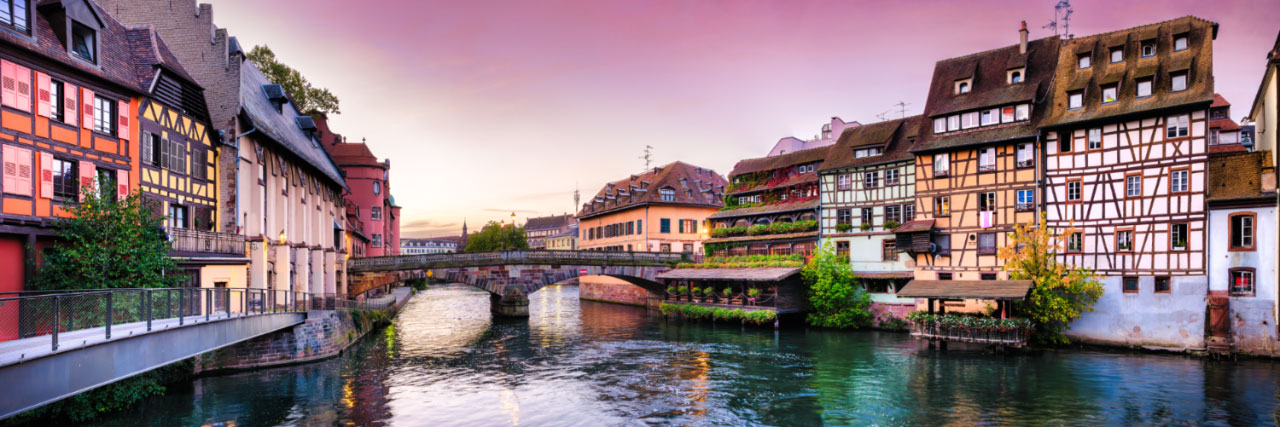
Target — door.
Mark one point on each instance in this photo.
(11, 262)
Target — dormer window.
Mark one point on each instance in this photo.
(668, 194)
(84, 42)
(1144, 87)
(1109, 93)
(275, 94)
(1148, 49)
(1015, 76)
(1178, 81)
(1117, 54)
(1075, 100)
(1179, 42)
(13, 14)
(1083, 61)
(963, 86)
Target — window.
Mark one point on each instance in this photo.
(1148, 49)
(893, 213)
(1117, 54)
(1022, 112)
(1109, 94)
(1178, 237)
(987, 201)
(1242, 232)
(1075, 242)
(844, 182)
(939, 125)
(889, 250)
(13, 13)
(377, 187)
(1178, 81)
(1026, 156)
(1006, 115)
(1144, 87)
(377, 240)
(989, 117)
(1083, 61)
(941, 164)
(668, 195)
(891, 177)
(375, 213)
(986, 160)
(1124, 240)
(987, 244)
(665, 247)
(1178, 126)
(688, 248)
(688, 226)
(1133, 185)
(871, 179)
(104, 115)
(844, 216)
(1026, 200)
(639, 226)
(867, 214)
(106, 176)
(953, 123)
(664, 225)
(1073, 191)
(57, 102)
(1213, 136)
(178, 217)
(942, 206)
(1162, 285)
(969, 120)
(865, 152)
(1064, 143)
(842, 249)
(1241, 282)
(1015, 77)
(1075, 100)
(908, 212)
(84, 42)
(1178, 181)
(963, 87)
(1130, 285)
(1095, 139)
(1179, 42)
(944, 276)
(66, 180)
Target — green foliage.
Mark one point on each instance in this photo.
(671, 289)
(113, 397)
(836, 299)
(888, 322)
(497, 237)
(748, 261)
(844, 227)
(969, 323)
(109, 243)
(753, 292)
(866, 226)
(727, 291)
(695, 290)
(1062, 292)
(719, 314)
(763, 229)
(890, 225)
(761, 317)
(308, 99)
(417, 284)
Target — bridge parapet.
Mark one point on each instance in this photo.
(535, 257)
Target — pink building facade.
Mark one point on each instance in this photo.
(368, 201)
(830, 133)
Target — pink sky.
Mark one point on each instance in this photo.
(488, 107)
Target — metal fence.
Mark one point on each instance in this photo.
(40, 313)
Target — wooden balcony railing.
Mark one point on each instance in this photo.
(207, 242)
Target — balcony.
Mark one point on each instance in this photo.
(206, 243)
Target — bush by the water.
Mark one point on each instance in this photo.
(836, 299)
(719, 314)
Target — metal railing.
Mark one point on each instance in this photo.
(197, 241)
(556, 257)
(53, 313)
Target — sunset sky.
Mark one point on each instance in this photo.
(489, 107)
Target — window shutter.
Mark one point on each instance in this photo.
(86, 99)
(24, 88)
(87, 172)
(122, 183)
(43, 104)
(681, 226)
(8, 84)
(10, 157)
(122, 125)
(145, 149)
(69, 104)
(179, 157)
(164, 153)
(24, 172)
(46, 175)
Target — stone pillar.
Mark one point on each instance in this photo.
(512, 303)
(257, 264)
(330, 273)
(318, 276)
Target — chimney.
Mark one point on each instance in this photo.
(1022, 39)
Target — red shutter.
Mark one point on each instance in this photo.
(43, 104)
(69, 104)
(87, 172)
(8, 84)
(86, 98)
(25, 172)
(10, 157)
(46, 175)
(24, 88)
(122, 125)
(122, 181)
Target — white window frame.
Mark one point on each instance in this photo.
(1025, 155)
(969, 120)
(940, 125)
(1117, 50)
(1022, 112)
(1084, 61)
(1146, 87)
(1176, 79)
(1182, 39)
(942, 164)
(1178, 181)
(891, 177)
(1095, 139)
(1075, 100)
(953, 123)
(986, 159)
(1078, 190)
(1133, 186)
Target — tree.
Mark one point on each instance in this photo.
(108, 243)
(310, 100)
(1061, 292)
(497, 237)
(835, 298)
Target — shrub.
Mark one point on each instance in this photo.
(695, 290)
(671, 289)
(753, 292)
(719, 314)
(890, 225)
(844, 228)
(761, 317)
(709, 291)
(834, 295)
(727, 291)
(758, 230)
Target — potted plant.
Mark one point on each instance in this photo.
(866, 226)
(890, 225)
(709, 291)
(727, 291)
(843, 227)
(694, 291)
(752, 295)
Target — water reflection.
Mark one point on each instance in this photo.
(446, 362)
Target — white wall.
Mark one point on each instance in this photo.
(1253, 319)
(1173, 320)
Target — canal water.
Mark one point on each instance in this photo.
(445, 362)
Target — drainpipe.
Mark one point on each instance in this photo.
(239, 225)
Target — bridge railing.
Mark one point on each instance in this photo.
(80, 314)
(521, 257)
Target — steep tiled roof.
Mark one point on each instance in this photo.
(281, 127)
(990, 89)
(150, 53)
(115, 62)
(1224, 124)
(767, 209)
(1239, 176)
(895, 137)
(761, 164)
(1219, 101)
(547, 222)
(1196, 60)
(701, 187)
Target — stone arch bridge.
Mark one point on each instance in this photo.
(510, 277)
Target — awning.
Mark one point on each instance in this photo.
(916, 226)
(731, 274)
(1015, 290)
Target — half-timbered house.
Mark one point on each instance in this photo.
(771, 206)
(1241, 193)
(976, 160)
(1125, 145)
(868, 189)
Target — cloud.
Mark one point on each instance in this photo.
(518, 211)
(427, 224)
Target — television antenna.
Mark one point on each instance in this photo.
(648, 156)
(1061, 12)
(901, 110)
